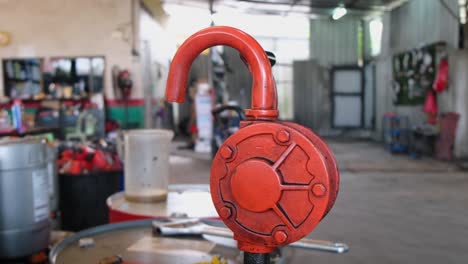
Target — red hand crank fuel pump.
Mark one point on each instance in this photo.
(271, 182)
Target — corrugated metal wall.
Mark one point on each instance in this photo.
(238, 78)
(421, 22)
(312, 106)
(416, 23)
(334, 42)
(457, 98)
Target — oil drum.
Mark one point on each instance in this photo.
(183, 200)
(135, 242)
(24, 198)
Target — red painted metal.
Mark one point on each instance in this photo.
(264, 101)
(277, 183)
(117, 216)
(271, 182)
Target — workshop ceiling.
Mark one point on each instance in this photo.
(285, 7)
(352, 4)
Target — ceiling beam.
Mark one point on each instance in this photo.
(349, 4)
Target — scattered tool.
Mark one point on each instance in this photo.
(216, 234)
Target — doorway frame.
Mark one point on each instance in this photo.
(333, 93)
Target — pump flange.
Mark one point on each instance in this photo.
(272, 185)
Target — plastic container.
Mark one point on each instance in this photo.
(448, 129)
(83, 198)
(17, 114)
(146, 164)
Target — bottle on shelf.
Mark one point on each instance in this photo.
(17, 115)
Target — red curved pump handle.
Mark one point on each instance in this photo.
(264, 101)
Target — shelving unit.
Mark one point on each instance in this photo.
(57, 88)
(396, 129)
(32, 131)
(23, 78)
(59, 128)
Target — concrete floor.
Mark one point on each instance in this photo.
(390, 209)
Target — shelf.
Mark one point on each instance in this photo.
(11, 132)
(38, 130)
(30, 131)
(36, 103)
(57, 99)
(28, 100)
(8, 79)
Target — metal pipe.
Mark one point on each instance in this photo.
(321, 245)
(255, 258)
(264, 98)
(195, 227)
